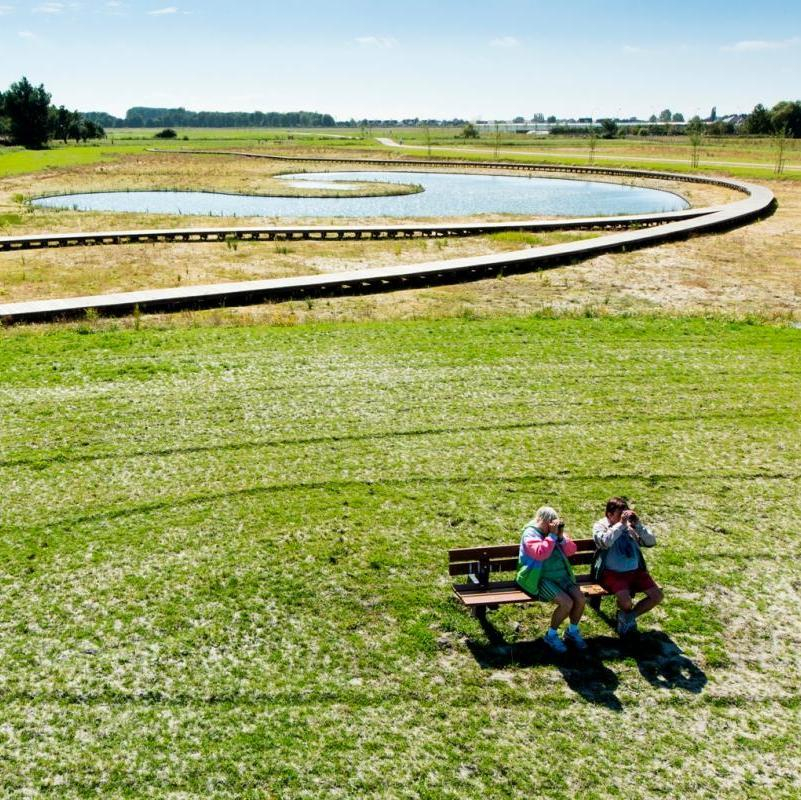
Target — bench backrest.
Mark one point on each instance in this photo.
(479, 562)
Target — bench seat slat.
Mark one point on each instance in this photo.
(501, 592)
(494, 595)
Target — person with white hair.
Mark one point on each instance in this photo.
(544, 572)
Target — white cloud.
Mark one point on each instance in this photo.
(160, 12)
(505, 41)
(386, 42)
(633, 49)
(6, 10)
(756, 45)
(49, 8)
(27, 35)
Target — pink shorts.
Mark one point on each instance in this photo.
(636, 580)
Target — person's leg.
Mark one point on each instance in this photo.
(624, 602)
(573, 634)
(579, 601)
(653, 597)
(564, 605)
(625, 618)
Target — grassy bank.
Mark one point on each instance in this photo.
(224, 575)
(746, 157)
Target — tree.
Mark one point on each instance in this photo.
(677, 117)
(696, 137)
(695, 125)
(721, 128)
(665, 116)
(3, 118)
(92, 130)
(75, 126)
(470, 131)
(593, 145)
(786, 116)
(28, 110)
(759, 122)
(653, 118)
(519, 120)
(713, 114)
(167, 133)
(62, 122)
(609, 128)
(780, 143)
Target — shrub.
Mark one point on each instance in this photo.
(167, 133)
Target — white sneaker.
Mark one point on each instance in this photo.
(554, 642)
(576, 639)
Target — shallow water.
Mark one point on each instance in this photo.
(444, 195)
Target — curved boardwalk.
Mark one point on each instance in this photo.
(45, 241)
(650, 229)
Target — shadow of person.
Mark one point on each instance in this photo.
(662, 663)
(585, 673)
(659, 659)
(590, 678)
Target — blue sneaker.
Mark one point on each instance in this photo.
(576, 639)
(626, 623)
(554, 642)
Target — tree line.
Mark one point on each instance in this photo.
(145, 117)
(783, 120)
(27, 118)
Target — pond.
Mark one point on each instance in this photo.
(443, 195)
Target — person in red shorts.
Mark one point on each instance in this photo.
(620, 566)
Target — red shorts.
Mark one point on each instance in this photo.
(636, 580)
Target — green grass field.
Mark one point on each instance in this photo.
(740, 156)
(224, 559)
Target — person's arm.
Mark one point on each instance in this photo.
(644, 535)
(568, 546)
(537, 546)
(605, 536)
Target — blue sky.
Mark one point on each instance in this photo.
(492, 60)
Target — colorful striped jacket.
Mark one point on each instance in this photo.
(536, 548)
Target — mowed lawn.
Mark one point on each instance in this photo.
(224, 572)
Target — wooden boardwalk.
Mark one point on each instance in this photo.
(650, 229)
(267, 233)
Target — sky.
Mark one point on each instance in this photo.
(437, 59)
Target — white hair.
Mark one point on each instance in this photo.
(545, 514)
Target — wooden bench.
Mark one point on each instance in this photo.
(479, 563)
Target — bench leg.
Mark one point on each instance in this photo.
(480, 613)
(595, 602)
